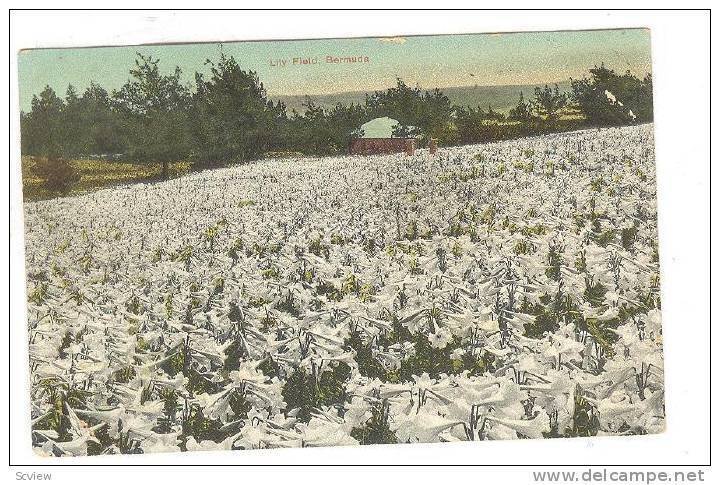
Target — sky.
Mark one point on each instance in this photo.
(427, 61)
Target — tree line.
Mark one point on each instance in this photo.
(226, 116)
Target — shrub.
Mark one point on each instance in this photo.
(57, 175)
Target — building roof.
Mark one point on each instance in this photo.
(383, 128)
(379, 128)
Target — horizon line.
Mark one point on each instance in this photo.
(330, 93)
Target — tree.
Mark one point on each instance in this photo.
(72, 124)
(325, 131)
(344, 121)
(606, 98)
(101, 128)
(311, 131)
(280, 126)
(154, 117)
(154, 110)
(429, 111)
(45, 134)
(548, 102)
(522, 111)
(435, 117)
(232, 119)
(638, 96)
(42, 129)
(474, 125)
(401, 102)
(77, 126)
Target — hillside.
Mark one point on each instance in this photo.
(303, 303)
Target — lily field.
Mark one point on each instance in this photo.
(499, 291)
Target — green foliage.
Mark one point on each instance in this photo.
(418, 113)
(546, 320)
(628, 236)
(227, 117)
(585, 421)
(594, 293)
(601, 332)
(411, 231)
(327, 289)
(124, 375)
(305, 391)
(39, 293)
(235, 353)
(523, 247)
(376, 429)
(317, 248)
(548, 102)
(42, 130)
(634, 94)
(522, 111)
(154, 112)
(197, 425)
(604, 238)
(426, 358)
(554, 262)
(231, 118)
(270, 273)
(91, 125)
(368, 365)
(175, 364)
(475, 125)
(322, 131)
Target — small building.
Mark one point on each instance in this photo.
(377, 137)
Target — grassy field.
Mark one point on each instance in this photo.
(97, 174)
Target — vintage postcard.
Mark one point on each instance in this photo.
(341, 242)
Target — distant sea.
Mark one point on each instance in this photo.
(500, 98)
